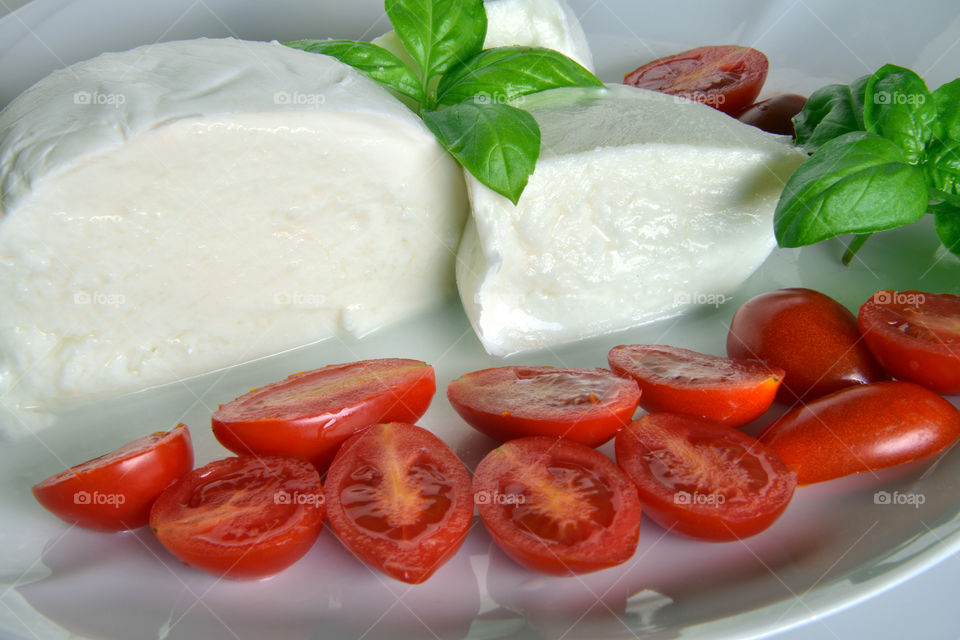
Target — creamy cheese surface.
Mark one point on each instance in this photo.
(186, 206)
(641, 205)
(532, 23)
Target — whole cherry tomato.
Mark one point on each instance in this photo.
(809, 335)
(774, 114)
(863, 428)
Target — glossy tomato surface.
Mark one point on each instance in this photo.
(245, 517)
(115, 491)
(310, 414)
(863, 428)
(703, 479)
(557, 506)
(584, 405)
(775, 114)
(726, 77)
(915, 336)
(811, 336)
(726, 390)
(400, 500)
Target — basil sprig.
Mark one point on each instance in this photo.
(466, 95)
(886, 151)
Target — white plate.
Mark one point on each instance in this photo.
(834, 546)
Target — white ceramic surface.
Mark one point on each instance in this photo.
(834, 546)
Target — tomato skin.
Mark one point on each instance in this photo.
(774, 115)
(391, 466)
(726, 77)
(513, 480)
(726, 390)
(246, 517)
(114, 492)
(809, 335)
(915, 336)
(583, 405)
(863, 428)
(290, 417)
(651, 451)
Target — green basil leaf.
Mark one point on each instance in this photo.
(438, 33)
(947, 101)
(497, 143)
(943, 169)
(857, 183)
(947, 219)
(376, 62)
(829, 113)
(505, 73)
(899, 107)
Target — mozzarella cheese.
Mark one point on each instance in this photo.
(641, 204)
(532, 23)
(185, 206)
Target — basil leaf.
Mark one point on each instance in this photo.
(438, 33)
(899, 107)
(947, 219)
(947, 101)
(497, 143)
(505, 73)
(376, 62)
(943, 169)
(857, 183)
(829, 113)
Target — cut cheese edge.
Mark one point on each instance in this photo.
(532, 23)
(186, 206)
(641, 204)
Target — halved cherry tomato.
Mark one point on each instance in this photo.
(244, 517)
(115, 491)
(726, 77)
(915, 336)
(703, 479)
(584, 405)
(399, 499)
(727, 390)
(809, 335)
(557, 506)
(310, 414)
(863, 428)
(775, 114)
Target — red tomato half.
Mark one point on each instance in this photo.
(863, 428)
(726, 77)
(809, 335)
(726, 390)
(557, 506)
(115, 491)
(400, 500)
(703, 479)
(915, 336)
(244, 517)
(584, 405)
(310, 414)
